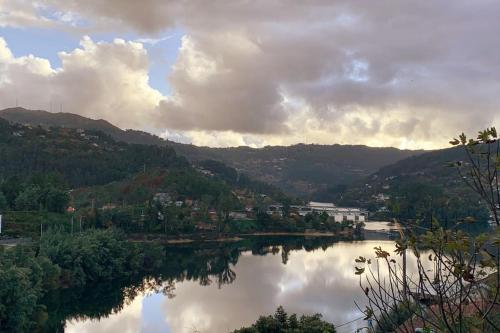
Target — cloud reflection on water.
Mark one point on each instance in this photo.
(318, 281)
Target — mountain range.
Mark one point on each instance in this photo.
(303, 170)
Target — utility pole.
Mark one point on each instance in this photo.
(81, 223)
(72, 218)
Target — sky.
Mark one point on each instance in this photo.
(407, 74)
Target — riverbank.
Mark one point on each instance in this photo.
(223, 238)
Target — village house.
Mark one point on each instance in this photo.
(162, 198)
(238, 215)
(275, 209)
(203, 226)
(381, 197)
(212, 214)
(108, 206)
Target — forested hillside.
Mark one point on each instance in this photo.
(79, 157)
(299, 169)
(419, 187)
(46, 171)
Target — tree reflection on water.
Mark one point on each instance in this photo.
(206, 263)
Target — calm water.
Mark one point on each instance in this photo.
(220, 288)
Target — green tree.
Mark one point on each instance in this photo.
(29, 199)
(56, 200)
(11, 188)
(293, 322)
(281, 322)
(281, 317)
(3, 202)
(18, 299)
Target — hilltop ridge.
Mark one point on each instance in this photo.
(301, 169)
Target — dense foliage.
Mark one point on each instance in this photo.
(80, 158)
(281, 322)
(180, 183)
(424, 202)
(242, 180)
(416, 189)
(64, 260)
(46, 192)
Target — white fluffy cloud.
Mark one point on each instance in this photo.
(408, 74)
(98, 80)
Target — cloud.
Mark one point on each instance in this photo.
(144, 16)
(153, 41)
(409, 74)
(22, 13)
(126, 321)
(214, 92)
(309, 283)
(97, 80)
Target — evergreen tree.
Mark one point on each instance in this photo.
(3, 202)
(293, 322)
(281, 317)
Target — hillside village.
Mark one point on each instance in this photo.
(253, 213)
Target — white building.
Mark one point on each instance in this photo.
(338, 213)
(275, 210)
(381, 197)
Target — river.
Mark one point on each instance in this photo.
(218, 288)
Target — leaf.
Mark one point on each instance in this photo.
(493, 132)
(359, 271)
(381, 253)
(463, 138)
(368, 313)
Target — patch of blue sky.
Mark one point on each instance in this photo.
(153, 319)
(46, 43)
(43, 43)
(163, 54)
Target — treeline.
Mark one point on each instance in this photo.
(424, 202)
(282, 322)
(47, 192)
(98, 271)
(140, 188)
(64, 260)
